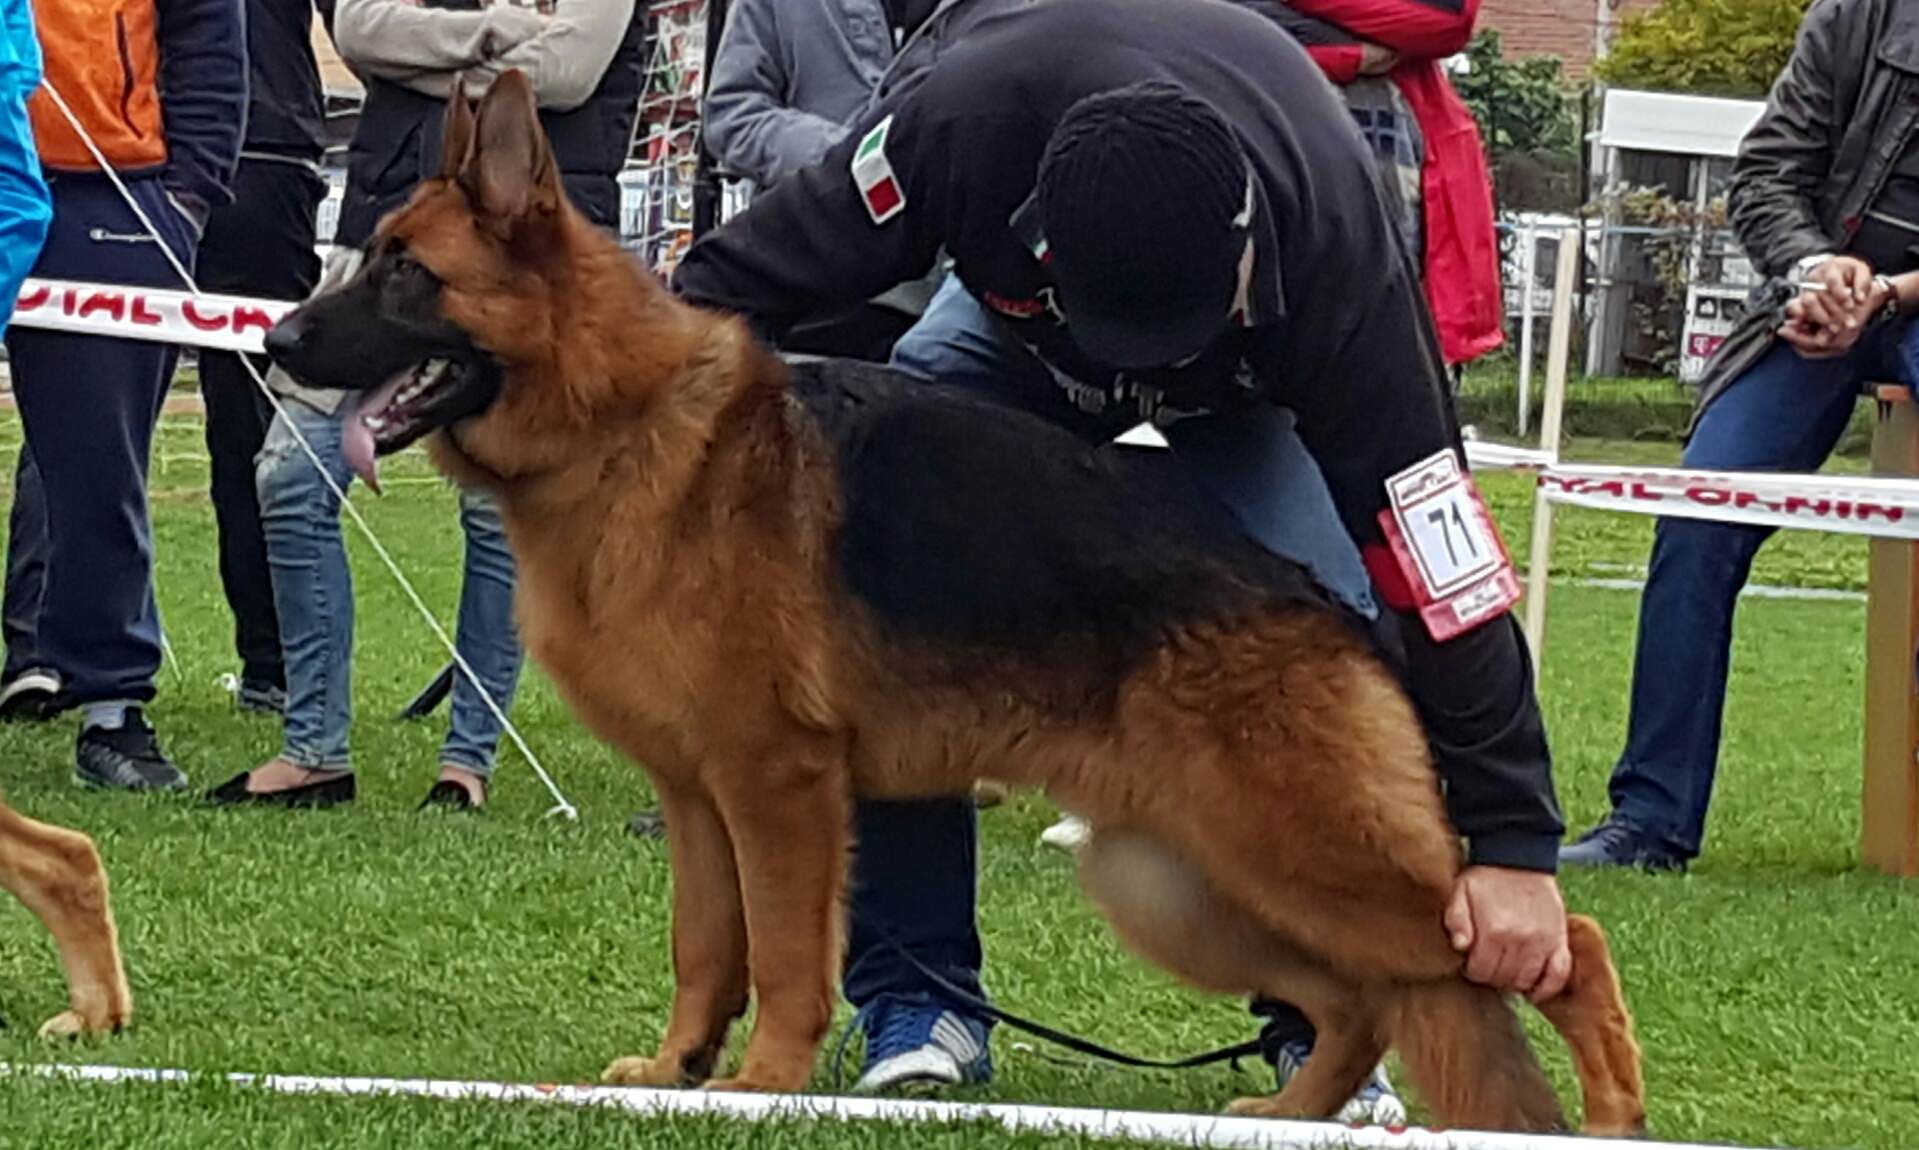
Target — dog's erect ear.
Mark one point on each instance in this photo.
(510, 172)
(456, 134)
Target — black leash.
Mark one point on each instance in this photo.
(974, 1004)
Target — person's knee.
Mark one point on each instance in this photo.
(285, 481)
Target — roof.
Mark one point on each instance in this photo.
(1681, 125)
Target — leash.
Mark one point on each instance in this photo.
(974, 1004)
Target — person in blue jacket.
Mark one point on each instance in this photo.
(26, 208)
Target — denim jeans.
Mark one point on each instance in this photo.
(914, 878)
(486, 638)
(1783, 414)
(313, 594)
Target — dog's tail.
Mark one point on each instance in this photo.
(1463, 1046)
(1591, 1016)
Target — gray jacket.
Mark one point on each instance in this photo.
(788, 77)
(1838, 119)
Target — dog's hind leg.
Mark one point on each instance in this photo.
(1164, 908)
(789, 821)
(1591, 1015)
(56, 874)
(709, 947)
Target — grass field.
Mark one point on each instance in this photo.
(1777, 991)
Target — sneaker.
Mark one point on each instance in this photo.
(260, 698)
(915, 1045)
(1614, 844)
(1376, 1104)
(30, 694)
(647, 825)
(1069, 834)
(127, 758)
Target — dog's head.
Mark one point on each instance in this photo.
(454, 303)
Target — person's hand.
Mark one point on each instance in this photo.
(1376, 59)
(1511, 926)
(1815, 341)
(1838, 294)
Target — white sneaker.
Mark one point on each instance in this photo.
(1069, 834)
(1376, 1103)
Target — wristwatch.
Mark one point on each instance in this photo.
(1890, 310)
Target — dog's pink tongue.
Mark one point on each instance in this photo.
(356, 444)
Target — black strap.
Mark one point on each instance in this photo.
(974, 1004)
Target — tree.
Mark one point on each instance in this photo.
(1521, 105)
(1704, 47)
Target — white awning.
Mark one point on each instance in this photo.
(1683, 125)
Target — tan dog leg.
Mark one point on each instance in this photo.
(709, 948)
(56, 874)
(790, 834)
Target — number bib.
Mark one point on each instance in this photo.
(1446, 546)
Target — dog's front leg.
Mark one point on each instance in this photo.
(789, 827)
(56, 873)
(709, 947)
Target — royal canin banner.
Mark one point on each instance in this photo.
(1848, 505)
(224, 323)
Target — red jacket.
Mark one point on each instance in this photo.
(1462, 251)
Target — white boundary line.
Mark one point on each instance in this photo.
(1194, 1130)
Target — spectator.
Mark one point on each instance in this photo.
(25, 206)
(262, 244)
(82, 628)
(786, 81)
(1825, 201)
(1384, 55)
(584, 58)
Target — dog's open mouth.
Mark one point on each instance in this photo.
(425, 397)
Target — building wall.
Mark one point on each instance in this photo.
(1567, 29)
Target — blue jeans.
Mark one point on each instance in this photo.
(914, 878)
(313, 594)
(1783, 414)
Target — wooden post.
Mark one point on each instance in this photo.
(1889, 838)
(1551, 407)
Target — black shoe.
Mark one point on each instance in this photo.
(127, 758)
(450, 796)
(329, 793)
(32, 695)
(261, 698)
(1612, 844)
(647, 825)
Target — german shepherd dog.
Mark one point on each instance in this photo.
(56, 874)
(779, 588)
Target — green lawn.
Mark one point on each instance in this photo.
(1777, 991)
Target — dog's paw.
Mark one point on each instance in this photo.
(1260, 1106)
(72, 1024)
(660, 1073)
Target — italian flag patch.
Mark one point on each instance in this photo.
(873, 173)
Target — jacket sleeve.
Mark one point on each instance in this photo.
(1422, 29)
(570, 56)
(25, 205)
(1787, 156)
(400, 40)
(749, 126)
(203, 99)
(811, 245)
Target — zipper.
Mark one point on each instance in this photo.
(126, 66)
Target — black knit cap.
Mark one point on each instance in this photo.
(1143, 200)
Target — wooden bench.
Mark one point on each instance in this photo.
(1890, 829)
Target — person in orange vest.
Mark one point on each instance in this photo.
(156, 91)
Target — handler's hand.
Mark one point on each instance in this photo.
(1511, 925)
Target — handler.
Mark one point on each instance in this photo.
(1160, 210)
